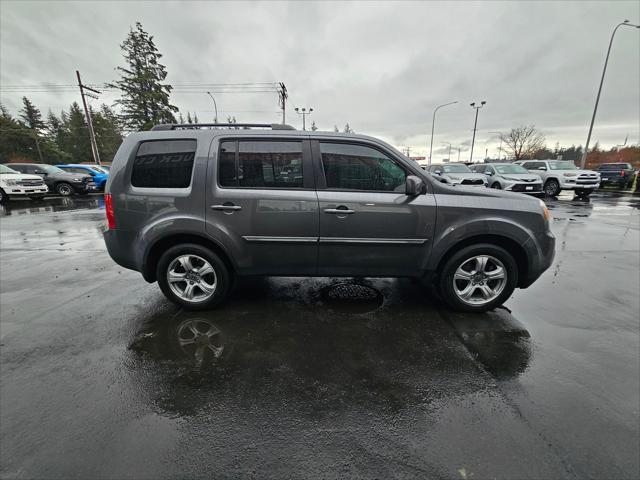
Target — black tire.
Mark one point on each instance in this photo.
(4, 198)
(64, 189)
(496, 185)
(552, 188)
(224, 278)
(446, 277)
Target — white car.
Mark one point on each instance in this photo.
(560, 175)
(16, 184)
(510, 177)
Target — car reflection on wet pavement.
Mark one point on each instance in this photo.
(316, 377)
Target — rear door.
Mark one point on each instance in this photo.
(262, 204)
(368, 225)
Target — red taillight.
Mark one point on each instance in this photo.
(622, 173)
(108, 206)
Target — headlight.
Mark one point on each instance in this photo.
(510, 179)
(76, 179)
(11, 182)
(570, 174)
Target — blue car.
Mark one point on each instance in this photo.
(100, 176)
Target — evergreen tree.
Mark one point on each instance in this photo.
(348, 129)
(313, 126)
(180, 118)
(76, 141)
(195, 118)
(145, 98)
(189, 117)
(108, 134)
(31, 116)
(335, 128)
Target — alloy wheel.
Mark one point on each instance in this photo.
(479, 280)
(192, 278)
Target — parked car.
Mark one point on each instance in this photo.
(359, 208)
(99, 175)
(61, 182)
(511, 177)
(16, 184)
(457, 174)
(619, 174)
(558, 175)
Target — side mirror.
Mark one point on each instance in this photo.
(414, 186)
(438, 172)
(488, 173)
(542, 168)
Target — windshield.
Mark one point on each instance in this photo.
(562, 165)
(455, 168)
(50, 169)
(5, 169)
(506, 169)
(98, 169)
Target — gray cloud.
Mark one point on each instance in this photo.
(380, 67)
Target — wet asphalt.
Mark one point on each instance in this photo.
(101, 377)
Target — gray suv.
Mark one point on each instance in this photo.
(195, 206)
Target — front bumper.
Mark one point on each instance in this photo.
(573, 184)
(541, 259)
(85, 187)
(19, 190)
(525, 187)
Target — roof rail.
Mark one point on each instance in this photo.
(191, 126)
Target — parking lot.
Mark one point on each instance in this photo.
(101, 377)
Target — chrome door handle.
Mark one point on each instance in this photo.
(226, 207)
(339, 211)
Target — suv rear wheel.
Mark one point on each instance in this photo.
(193, 276)
(478, 278)
(64, 189)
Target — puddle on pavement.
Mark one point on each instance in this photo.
(52, 204)
(321, 355)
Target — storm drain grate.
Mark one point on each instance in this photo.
(352, 297)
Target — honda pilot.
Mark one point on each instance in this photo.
(193, 207)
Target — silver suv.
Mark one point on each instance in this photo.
(195, 206)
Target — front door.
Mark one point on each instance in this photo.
(262, 204)
(368, 225)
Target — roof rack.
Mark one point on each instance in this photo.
(192, 126)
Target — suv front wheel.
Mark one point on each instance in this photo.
(193, 276)
(478, 278)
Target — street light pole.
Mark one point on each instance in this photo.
(215, 120)
(604, 70)
(458, 154)
(473, 141)
(433, 123)
(304, 113)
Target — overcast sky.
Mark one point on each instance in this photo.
(381, 66)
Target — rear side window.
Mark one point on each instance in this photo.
(357, 167)
(261, 164)
(164, 164)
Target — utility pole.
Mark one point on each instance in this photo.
(473, 141)
(433, 124)
(448, 156)
(92, 135)
(458, 154)
(282, 99)
(500, 147)
(304, 112)
(604, 70)
(486, 154)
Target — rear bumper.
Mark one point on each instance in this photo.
(120, 249)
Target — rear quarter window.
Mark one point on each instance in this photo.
(163, 164)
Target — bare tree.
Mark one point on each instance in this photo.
(523, 142)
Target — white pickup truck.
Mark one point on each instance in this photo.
(16, 184)
(560, 175)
